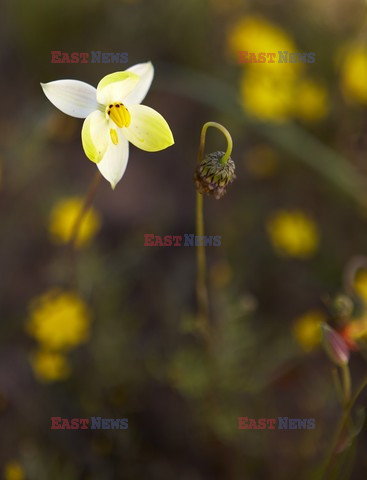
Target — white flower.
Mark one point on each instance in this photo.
(113, 117)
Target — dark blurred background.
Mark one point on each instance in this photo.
(121, 342)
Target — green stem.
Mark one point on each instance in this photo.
(347, 384)
(201, 288)
(87, 203)
(225, 132)
(339, 430)
(201, 284)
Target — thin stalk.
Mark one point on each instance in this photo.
(201, 286)
(87, 203)
(201, 283)
(339, 430)
(347, 384)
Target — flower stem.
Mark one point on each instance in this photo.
(225, 133)
(87, 203)
(346, 384)
(340, 428)
(201, 288)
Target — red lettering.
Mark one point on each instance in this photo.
(55, 423)
(158, 241)
(75, 423)
(271, 423)
(253, 58)
(74, 57)
(261, 424)
(65, 424)
(55, 56)
(242, 423)
(84, 422)
(177, 240)
(84, 57)
(148, 239)
(242, 58)
(168, 241)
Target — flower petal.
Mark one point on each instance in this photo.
(116, 86)
(114, 162)
(146, 74)
(95, 136)
(72, 97)
(148, 130)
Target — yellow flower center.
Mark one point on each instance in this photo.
(119, 114)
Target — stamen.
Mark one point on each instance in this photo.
(119, 114)
(114, 136)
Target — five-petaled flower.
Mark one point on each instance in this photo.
(113, 117)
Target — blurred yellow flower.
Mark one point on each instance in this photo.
(311, 100)
(50, 366)
(307, 329)
(267, 97)
(356, 329)
(293, 234)
(13, 471)
(354, 74)
(59, 320)
(273, 90)
(63, 217)
(256, 34)
(360, 283)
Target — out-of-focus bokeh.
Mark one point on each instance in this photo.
(110, 331)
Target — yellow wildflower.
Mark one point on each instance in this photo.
(360, 283)
(50, 366)
(354, 74)
(267, 97)
(311, 101)
(356, 329)
(307, 329)
(62, 221)
(59, 320)
(293, 234)
(256, 34)
(13, 471)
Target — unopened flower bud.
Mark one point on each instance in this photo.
(212, 176)
(342, 306)
(335, 346)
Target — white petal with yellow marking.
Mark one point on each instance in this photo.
(148, 130)
(95, 136)
(75, 98)
(116, 86)
(114, 162)
(146, 74)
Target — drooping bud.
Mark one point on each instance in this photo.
(212, 176)
(334, 345)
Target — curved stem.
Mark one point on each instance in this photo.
(201, 286)
(225, 132)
